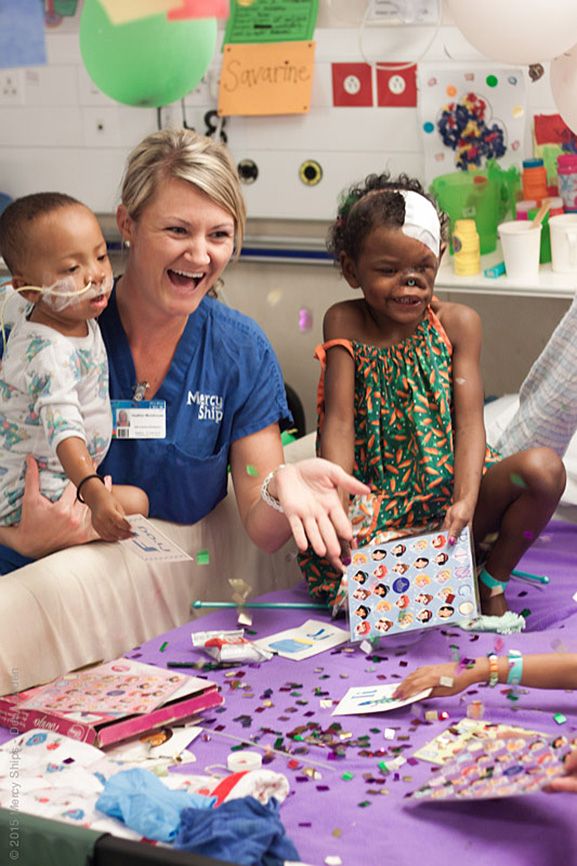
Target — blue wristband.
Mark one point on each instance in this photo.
(515, 667)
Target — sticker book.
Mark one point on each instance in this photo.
(415, 582)
(109, 702)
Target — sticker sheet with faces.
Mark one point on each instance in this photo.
(410, 583)
(508, 765)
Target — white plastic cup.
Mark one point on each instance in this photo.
(563, 230)
(521, 244)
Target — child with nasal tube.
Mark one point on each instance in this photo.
(401, 398)
(54, 373)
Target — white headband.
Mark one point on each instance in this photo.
(421, 220)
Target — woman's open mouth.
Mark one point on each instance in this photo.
(185, 279)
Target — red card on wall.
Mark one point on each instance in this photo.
(352, 85)
(397, 86)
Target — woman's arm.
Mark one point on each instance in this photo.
(463, 327)
(547, 671)
(47, 526)
(307, 491)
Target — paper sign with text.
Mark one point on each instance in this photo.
(266, 79)
(149, 543)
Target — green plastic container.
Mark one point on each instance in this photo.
(487, 196)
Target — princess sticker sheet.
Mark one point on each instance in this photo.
(505, 766)
(446, 744)
(411, 583)
(121, 687)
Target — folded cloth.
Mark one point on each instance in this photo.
(260, 784)
(140, 800)
(240, 831)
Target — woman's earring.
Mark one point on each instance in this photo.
(126, 244)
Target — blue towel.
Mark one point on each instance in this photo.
(141, 801)
(241, 831)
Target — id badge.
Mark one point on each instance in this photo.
(142, 419)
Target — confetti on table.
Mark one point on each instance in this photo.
(202, 557)
(559, 718)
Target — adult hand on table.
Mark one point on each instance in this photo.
(309, 494)
(47, 526)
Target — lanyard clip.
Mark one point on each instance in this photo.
(140, 390)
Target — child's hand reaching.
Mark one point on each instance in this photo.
(429, 676)
(108, 515)
(458, 515)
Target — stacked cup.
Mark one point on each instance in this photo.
(467, 250)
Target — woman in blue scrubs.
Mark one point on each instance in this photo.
(199, 381)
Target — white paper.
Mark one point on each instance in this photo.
(150, 544)
(307, 640)
(374, 699)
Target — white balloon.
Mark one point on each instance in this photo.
(564, 86)
(517, 31)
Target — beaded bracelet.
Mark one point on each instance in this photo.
(264, 491)
(515, 667)
(493, 670)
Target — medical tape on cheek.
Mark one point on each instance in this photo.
(421, 220)
(59, 295)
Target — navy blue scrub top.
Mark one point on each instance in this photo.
(224, 383)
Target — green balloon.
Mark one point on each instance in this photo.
(149, 62)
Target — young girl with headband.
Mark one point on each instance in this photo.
(54, 401)
(401, 398)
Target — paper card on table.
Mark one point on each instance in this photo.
(200, 9)
(508, 765)
(22, 40)
(415, 582)
(266, 79)
(374, 699)
(307, 640)
(271, 21)
(150, 544)
(124, 11)
(166, 743)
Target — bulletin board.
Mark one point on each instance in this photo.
(57, 130)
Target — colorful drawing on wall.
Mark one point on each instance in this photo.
(469, 116)
(414, 582)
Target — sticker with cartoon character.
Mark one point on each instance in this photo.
(427, 582)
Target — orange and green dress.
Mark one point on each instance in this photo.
(403, 441)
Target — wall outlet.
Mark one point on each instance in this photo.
(11, 87)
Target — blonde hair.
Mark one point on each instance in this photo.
(185, 155)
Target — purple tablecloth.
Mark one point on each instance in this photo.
(365, 819)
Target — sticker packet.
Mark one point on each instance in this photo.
(415, 582)
(229, 647)
(508, 765)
